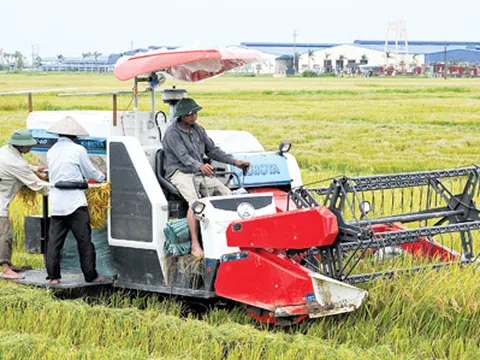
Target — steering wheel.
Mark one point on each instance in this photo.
(215, 174)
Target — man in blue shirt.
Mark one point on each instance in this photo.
(68, 161)
(185, 144)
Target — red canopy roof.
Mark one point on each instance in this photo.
(187, 65)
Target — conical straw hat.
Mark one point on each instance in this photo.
(68, 126)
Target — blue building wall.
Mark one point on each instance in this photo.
(422, 43)
(285, 49)
(469, 56)
(421, 47)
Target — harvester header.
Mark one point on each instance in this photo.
(422, 214)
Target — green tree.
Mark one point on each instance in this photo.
(3, 61)
(60, 58)
(340, 62)
(96, 55)
(296, 57)
(38, 61)
(19, 59)
(84, 56)
(311, 57)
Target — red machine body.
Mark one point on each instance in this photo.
(283, 202)
(424, 247)
(282, 281)
(263, 276)
(296, 229)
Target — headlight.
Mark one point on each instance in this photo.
(245, 210)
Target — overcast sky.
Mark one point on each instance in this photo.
(110, 26)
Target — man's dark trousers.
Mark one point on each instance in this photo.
(79, 223)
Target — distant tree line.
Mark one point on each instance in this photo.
(8, 58)
(17, 58)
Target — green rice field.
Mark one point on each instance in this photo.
(352, 126)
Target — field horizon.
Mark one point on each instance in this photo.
(351, 126)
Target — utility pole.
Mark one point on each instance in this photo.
(445, 61)
(35, 54)
(295, 34)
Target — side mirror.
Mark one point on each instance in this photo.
(365, 207)
(284, 147)
(198, 207)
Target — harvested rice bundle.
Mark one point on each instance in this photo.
(98, 202)
(28, 197)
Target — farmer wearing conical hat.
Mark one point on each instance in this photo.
(185, 145)
(68, 161)
(15, 172)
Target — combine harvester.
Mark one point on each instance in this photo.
(287, 251)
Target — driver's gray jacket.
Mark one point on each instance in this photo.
(184, 150)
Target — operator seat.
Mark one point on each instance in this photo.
(177, 205)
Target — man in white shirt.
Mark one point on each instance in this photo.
(15, 172)
(69, 161)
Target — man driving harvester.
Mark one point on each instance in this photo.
(185, 145)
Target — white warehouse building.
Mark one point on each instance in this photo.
(351, 58)
(365, 55)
